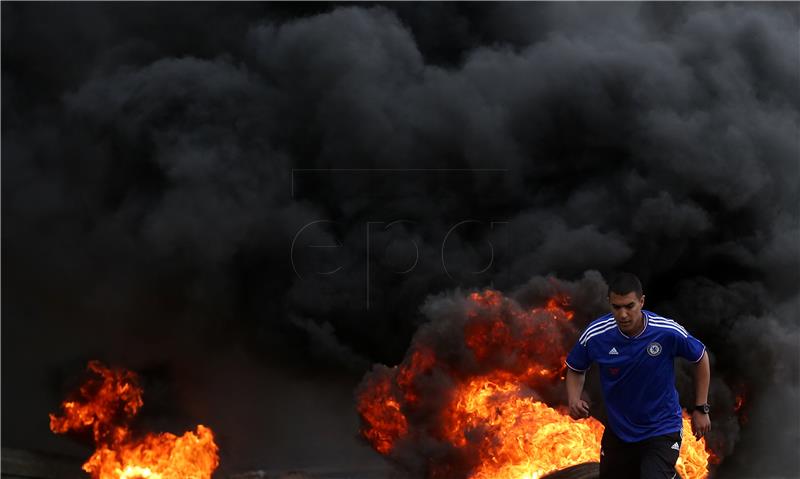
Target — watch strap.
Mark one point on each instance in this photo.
(703, 408)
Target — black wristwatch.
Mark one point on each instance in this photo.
(703, 408)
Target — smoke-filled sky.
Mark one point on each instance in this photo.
(249, 204)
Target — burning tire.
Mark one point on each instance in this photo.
(587, 470)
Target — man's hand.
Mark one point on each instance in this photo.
(701, 424)
(579, 409)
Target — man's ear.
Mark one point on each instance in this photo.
(642, 300)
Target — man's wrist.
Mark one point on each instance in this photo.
(704, 408)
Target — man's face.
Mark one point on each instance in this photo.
(627, 310)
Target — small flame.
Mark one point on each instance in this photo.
(380, 409)
(739, 403)
(558, 305)
(693, 459)
(421, 362)
(739, 408)
(106, 405)
(115, 397)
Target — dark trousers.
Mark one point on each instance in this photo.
(653, 458)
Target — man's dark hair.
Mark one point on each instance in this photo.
(624, 283)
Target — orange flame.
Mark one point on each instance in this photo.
(534, 439)
(739, 409)
(494, 421)
(106, 404)
(738, 403)
(558, 305)
(422, 360)
(379, 408)
(694, 458)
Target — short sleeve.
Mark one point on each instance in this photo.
(689, 347)
(578, 359)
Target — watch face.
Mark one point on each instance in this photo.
(706, 409)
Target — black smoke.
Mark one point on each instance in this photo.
(249, 203)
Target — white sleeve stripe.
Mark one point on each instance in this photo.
(667, 320)
(668, 323)
(595, 333)
(701, 355)
(671, 323)
(655, 316)
(669, 327)
(595, 327)
(576, 369)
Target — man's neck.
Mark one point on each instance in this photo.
(639, 330)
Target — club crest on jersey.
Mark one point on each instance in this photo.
(654, 349)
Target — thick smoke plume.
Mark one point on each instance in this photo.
(248, 204)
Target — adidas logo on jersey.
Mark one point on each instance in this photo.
(613, 351)
(676, 446)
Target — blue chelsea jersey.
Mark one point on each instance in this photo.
(637, 373)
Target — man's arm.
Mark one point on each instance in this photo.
(578, 408)
(701, 423)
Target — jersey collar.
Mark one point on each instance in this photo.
(644, 317)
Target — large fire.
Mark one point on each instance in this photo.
(481, 408)
(105, 404)
(522, 425)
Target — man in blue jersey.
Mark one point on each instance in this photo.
(634, 350)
